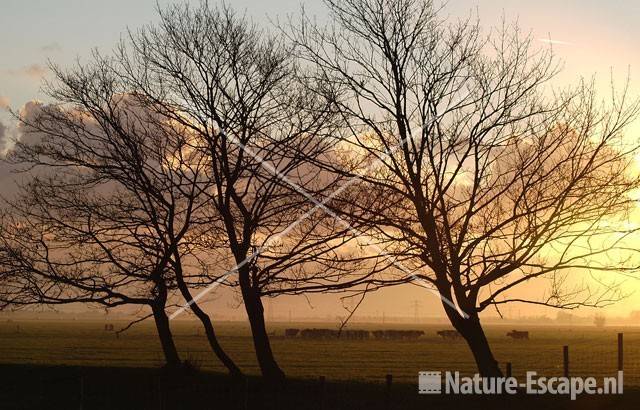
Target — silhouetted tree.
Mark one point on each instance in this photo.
(486, 177)
(192, 148)
(238, 92)
(109, 200)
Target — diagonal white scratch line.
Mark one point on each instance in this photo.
(221, 279)
(209, 288)
(288, 229)
(347, 225)
(317, 205)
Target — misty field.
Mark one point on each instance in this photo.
(593, 352)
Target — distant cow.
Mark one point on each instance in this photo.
(378, 334)
(449, 334)
(319, 334)
(291, 332)
(355, 334)
(397, 334)
(414, 334)
(517, 334)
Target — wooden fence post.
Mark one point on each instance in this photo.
(245, 404)
(160, 393)
(81, 392)
(389, 381)
(565, 357)
(508, 369)
(322, 388)
(620, 352)
(41, 393)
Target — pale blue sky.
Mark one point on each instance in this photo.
(602, 34)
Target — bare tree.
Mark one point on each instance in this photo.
(487, 177)
(109, 204)
(242, 97)
(215, 161)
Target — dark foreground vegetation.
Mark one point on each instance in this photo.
(39, 387)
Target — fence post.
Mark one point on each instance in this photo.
(620, 352)
(389, 381)
(508, 369)
(81, 392)
(565, 356)
(41, 394)
(245, 404)
(160, 393)
(322, 388)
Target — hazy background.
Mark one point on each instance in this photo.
(592, 37)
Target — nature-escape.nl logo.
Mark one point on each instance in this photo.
(432, 383)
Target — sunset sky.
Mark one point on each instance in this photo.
(592, 37)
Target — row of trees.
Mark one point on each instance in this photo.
(387, 147)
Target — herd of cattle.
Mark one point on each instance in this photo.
(354, 334)
(320, 334)
(453, 334)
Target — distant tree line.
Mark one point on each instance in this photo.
(390, 146)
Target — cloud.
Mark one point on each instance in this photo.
(4, 102)
(35, 71)
(51, 47)
(9, 134)
(6, 138)
(9, 178)
(4, 171)
(5, 142)
(30, 112)
(3, 132)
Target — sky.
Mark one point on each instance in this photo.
(592, 37)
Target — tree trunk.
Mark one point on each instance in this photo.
(474, 335)
(472, 332)
(255, 311)
(234, 370)
(166, 338)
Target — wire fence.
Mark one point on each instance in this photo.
(580, 357)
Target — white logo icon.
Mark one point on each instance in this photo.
(429, 382)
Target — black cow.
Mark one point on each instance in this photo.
(518, 335)
(449, 334)
(291, 332)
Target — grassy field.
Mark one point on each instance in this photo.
(593, 352)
